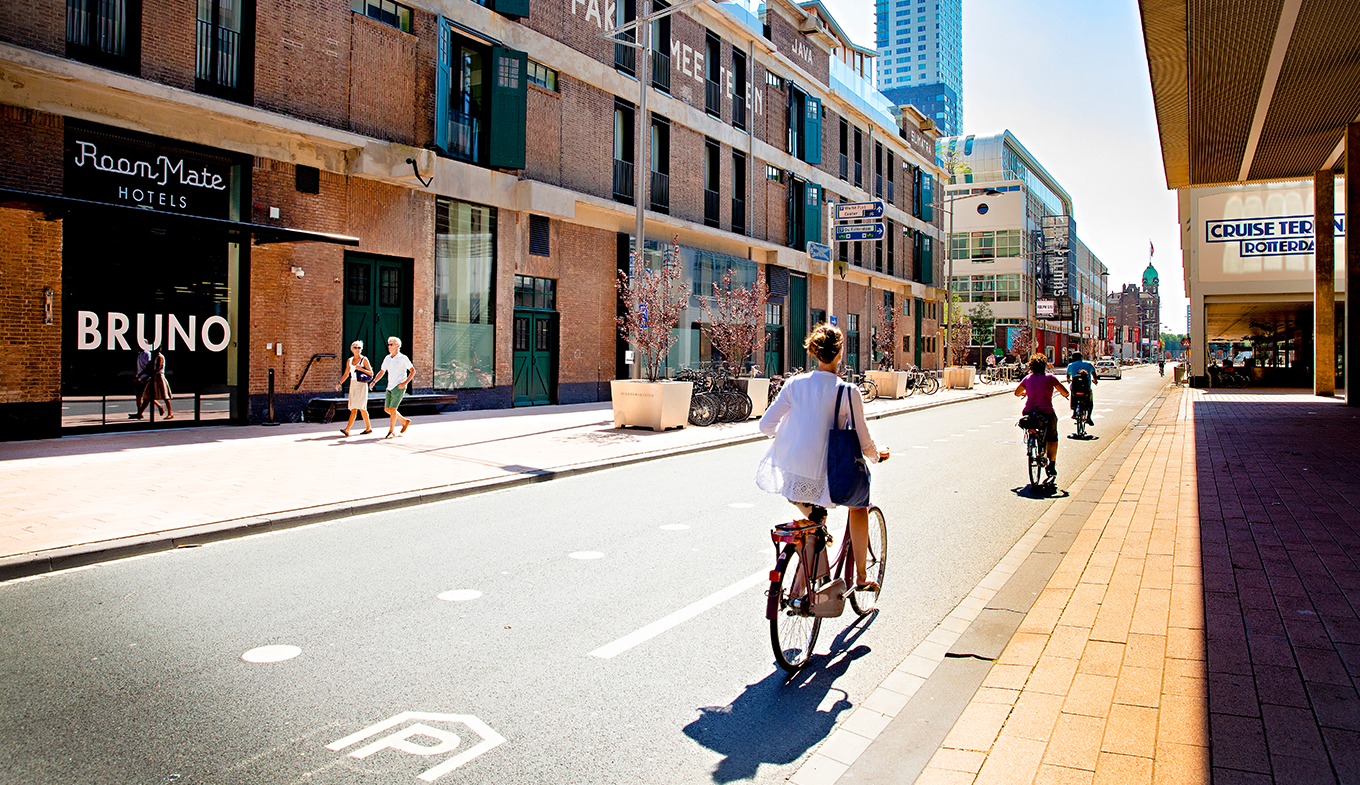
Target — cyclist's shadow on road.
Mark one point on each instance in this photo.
(779, 718)
(1031, 492)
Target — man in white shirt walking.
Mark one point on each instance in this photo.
(399, 371)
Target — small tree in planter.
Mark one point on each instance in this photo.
(1022, 344)
(959, 336)
(653, 301)
(984, 328)
(886, 340)
(736, 319)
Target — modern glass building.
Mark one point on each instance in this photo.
(999, 254)
(920, 44)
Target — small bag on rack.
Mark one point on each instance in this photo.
(847, 471)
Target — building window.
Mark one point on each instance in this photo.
(859, 159)
(845, 151)
(739, 90)
(625, 56)
(542, 76)
(661, 165)
(222, 61)
(385, 11)
(531, 292)
(738, 192)
(540, 243)
(623, 152)
(774, 173)
(712, 175)
(464, 308)
(105, 33)
(773, 80)
(712, 65)
(661, 49)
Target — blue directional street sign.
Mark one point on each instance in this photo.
(859, 210)
(851, 232)
(818, 252)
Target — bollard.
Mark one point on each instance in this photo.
(271, 420)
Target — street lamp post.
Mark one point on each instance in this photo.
(949, 274)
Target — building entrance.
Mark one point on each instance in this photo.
(377, 304)
(534, 362)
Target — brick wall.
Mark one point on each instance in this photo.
(382, 60)
(36, 24)
(170, 42)
(31, 150)
(543, 139)
(687, 60)
(687, 174)
(576, 23)
(30, 351)
(582, 262)
(302, 55)
(796, 46)
(587, 138)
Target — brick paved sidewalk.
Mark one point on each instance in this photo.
(1204, 621)
(73, 500)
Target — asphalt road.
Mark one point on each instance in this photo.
(133, 671)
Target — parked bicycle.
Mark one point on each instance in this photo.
(867, 389)
(716, 398)
(806, 587)
(921, 381)
(777, 383)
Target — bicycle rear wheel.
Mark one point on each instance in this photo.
(932, 385)
(867, 390)
(1081, 422)
(702, 409)
(1037, 458)
(792, 634)
(875, 563)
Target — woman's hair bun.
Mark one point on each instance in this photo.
(824, 342)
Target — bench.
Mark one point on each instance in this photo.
(323, 410)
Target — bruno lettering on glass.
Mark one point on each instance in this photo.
(88, 334)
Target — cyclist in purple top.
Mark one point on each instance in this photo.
(1037, 389)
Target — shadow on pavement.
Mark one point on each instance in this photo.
(779, 718)
(1040, 492)
(1279, 511)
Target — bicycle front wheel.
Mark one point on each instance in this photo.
(868, 390)
(932, 385)
(875, 563)
(702, 409)
(793, 631)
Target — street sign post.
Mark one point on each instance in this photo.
(851, 232)
(872, 209)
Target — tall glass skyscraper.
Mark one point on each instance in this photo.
(920, 45)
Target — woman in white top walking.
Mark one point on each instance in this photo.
(358, 390)
(800, 421)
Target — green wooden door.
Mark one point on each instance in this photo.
(535, 357)
(797, 321)
(376, 295)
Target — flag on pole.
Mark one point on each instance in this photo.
(1151, 249)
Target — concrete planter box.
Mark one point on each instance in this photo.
(958, 378)
(758, 389)
(891, 384)
(655, 405)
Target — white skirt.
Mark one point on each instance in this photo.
(358, 394)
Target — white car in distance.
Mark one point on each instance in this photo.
(1108, 369)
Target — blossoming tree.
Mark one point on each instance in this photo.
(736, 319)
(653, 302)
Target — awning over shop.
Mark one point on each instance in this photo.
(1252, 90)
(239, 231)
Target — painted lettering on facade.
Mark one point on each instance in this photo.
(159, 173)
(803, 51)
(591, 12)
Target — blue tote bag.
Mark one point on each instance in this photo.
(847, 470)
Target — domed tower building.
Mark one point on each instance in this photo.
(1150, 313)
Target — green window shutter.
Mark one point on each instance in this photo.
(517, 9)
(509, 113)
(917, 340)
(443, 85)
(812, 215)
(927, 197)
(812, 130)
(927, 264)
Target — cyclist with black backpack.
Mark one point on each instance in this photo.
(1075, 369)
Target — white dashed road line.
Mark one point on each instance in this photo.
(679, 617)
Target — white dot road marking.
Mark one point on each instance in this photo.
(741, 505)
(681, 616)
(277, 653)
(920, 447)
(586, 555)
(940, 440)
(674, 527)
(459, 595)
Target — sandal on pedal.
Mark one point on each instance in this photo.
(869, 586)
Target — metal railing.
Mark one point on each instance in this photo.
(661, 192)
(219, 54)
(845, 167)
(623, 181)
(878, 185)
(892, 198)
(712, 98)
(661, 70)
(98, 25)
(710, 207)
(625, 57)
(738, 216)
(859, 174)
(739, 111)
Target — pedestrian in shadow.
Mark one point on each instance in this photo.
(143, 382)
(359, 373)
(159, 386)
(399, 371)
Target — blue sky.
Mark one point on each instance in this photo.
(1069, 78)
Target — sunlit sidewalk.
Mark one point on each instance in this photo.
(156, 489)
(1204, 619)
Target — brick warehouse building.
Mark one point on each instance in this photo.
(250, 186)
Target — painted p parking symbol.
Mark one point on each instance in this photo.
(406, 739)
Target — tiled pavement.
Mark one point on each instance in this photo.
(79, 499)
(1202, 626)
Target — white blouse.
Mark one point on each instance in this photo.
(799, 420)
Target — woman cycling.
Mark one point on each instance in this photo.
(1037, 389)
(800, 421)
